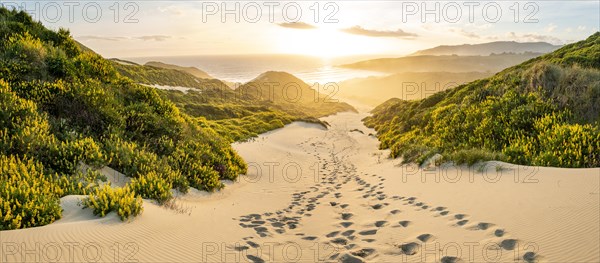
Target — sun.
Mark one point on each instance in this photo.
(324, 42)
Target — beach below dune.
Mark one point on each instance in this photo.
(330, 195)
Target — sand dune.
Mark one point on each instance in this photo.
(330, 195)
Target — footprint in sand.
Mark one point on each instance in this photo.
(252, 244)
(499, 232)
(348, 258)
(364, 252)
(349, 246)
(347, 216)
(333, 234)
(460, 216)
(368, 232)
(462, 222)
(241, 248)
(381, 223)
(405, 223)
(255, 259)
(410, 248)
(450, 259)
(277, 224)
(339, 241)
(347, 233)
(484, 226)
(379, 206)
(425, 238)
(509, 244)
(440, 208)
(530, 257)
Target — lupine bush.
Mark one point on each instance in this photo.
(106, 199)
(152, 186)
(28, 196)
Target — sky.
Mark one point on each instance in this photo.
(314, 28)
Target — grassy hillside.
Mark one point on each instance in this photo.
(545, 112)
(408, 85)
(257, 106)
(190, 70)
(61, 105)
(151, 75)
(242, 113)
(448, 63)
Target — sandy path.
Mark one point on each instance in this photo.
(330, 195)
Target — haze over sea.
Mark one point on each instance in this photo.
(243, 68)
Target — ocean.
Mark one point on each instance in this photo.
(243, 68)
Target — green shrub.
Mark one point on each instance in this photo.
(152, 186)
(123, 201)
(128, 157)
(28, 196)
(28, 56)
(204, 178)
(65, 157)
(545, 111)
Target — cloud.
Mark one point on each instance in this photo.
(171, 9)
(297, 25)
(358, 30)
(153, 38)
(119, 38)
(529, 37)
(101, 38)
(535, 38)
(551, 27)
(465, 33)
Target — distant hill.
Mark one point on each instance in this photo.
(124, 62)
(545, 111)
(212, 94)
(190, 70)
(258, 106)
(407, 85)
(492, 63)
(486, 49)
(291, 95)
(151, 75)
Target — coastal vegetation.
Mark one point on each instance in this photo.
(63, 107)
(545, 111)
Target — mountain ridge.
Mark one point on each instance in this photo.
(446, 63)
(485, 49)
